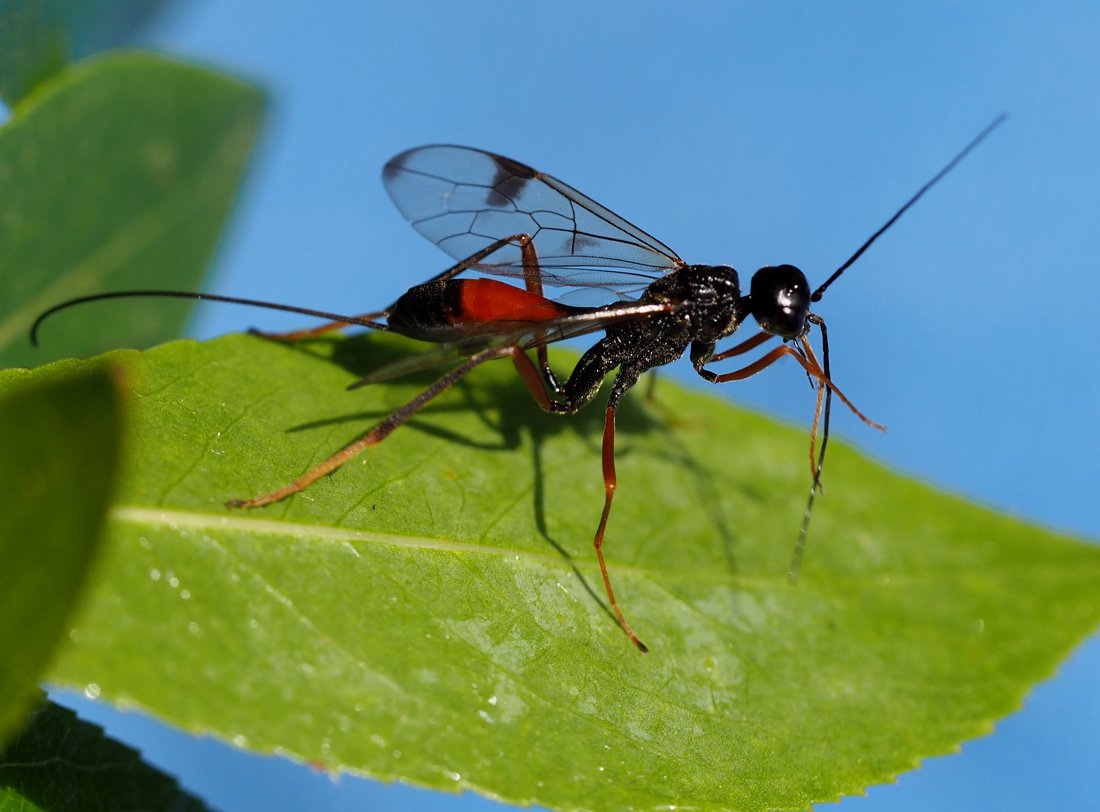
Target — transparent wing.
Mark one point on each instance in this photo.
(465, 199)
(521, 334)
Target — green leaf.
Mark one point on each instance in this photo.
(432, 612)
(61, 762)
(59, 442)
(120, 174)
(39, 37)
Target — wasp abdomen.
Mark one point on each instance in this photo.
(449, 309)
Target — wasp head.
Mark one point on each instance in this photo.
(780, 300)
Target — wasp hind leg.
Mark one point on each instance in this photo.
(377, 434)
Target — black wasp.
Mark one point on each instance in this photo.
(500, 218)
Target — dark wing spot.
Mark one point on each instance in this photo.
(508, 183)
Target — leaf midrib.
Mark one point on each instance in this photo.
(174, 519)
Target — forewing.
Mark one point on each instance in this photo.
(465, 200)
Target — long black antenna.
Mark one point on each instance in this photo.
(362, 321)
(816, 297)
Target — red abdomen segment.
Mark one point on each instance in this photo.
(451, 309)
(486, 300)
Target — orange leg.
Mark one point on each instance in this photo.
(377, 434)
(536, 385)
(527, 370)
(743, 347)
(532, 280)
(609, 494)
(534, 381)
(817, 416)
(811, 368)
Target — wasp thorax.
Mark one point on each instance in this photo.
(780, 297)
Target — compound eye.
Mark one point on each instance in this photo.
(780, 298)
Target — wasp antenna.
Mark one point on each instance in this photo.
(795, 567)
(817, 294)
(362, 321)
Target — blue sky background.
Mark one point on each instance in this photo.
(748, 134)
